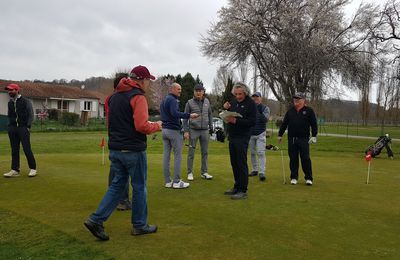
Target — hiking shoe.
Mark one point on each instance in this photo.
(11, 173)
(206, 176)
(309, 182)
(148, 229)
(124, 206)
(262, 177)
(253, 173)
(180, 185)
(96, 229)
(231, 191)
(168, 184)
(190, 176)
(239, 196)
(293, 182)
(32, 173)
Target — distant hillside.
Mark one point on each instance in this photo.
(331, 110)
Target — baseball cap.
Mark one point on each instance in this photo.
(256, 94)
(141, 72)
(12, 86)
(299, 95)
(199, 87)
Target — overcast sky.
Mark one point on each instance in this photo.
(78, 39)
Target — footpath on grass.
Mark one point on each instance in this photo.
(346, 136)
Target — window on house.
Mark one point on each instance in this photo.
(87, 106)
(62, 105)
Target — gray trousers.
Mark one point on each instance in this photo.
(172, 140)
(257, 149)
(195, 135)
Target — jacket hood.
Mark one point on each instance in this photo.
(127, 84)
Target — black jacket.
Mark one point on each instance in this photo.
(20, 112)
(242, 128)
(299, 123)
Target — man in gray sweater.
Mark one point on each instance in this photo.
(198, 129)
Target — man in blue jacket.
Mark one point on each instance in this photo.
(258, 138)
(172, 136)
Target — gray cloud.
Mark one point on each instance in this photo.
(47, 39)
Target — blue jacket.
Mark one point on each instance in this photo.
(262, 117)
(170, 114)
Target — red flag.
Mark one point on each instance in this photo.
(368, 157)
(102, 142)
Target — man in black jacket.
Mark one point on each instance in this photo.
(299, 119)
(239, 132)
(20, 117)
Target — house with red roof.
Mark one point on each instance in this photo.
(85, 103)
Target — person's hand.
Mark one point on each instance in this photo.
(279, 139)
(231, 119)
(312, 140)
(159, 123)
(194, 115)
(186, 135)
(210, 131)
(227, 105)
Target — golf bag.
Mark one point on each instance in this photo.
(271, 147)
(220, 134)
(376, 148)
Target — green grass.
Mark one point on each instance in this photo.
(339, 217)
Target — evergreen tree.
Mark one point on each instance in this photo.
(187, 83)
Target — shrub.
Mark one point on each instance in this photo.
(54, 114)
(69, 119)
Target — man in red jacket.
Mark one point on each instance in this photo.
(128, 126)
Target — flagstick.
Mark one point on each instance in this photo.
(369, 167)
(283, 169)
(102, 152)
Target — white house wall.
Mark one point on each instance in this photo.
(4, 98)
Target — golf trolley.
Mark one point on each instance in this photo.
(375, 149)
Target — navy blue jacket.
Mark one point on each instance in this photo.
(20, 112)
(170, 114)
(262, 119)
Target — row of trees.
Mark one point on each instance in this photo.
(309, 46)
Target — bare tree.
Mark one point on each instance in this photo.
(224, 72)
(296, 45)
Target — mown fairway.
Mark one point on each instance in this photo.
(340, 217)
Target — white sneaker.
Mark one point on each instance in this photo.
(309, 182)
(293, 182)
(11, 173)
(180, 185)
(32, 173)
(190, 177)
(168, 184)
(206, 176)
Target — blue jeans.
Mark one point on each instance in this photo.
(125, 164)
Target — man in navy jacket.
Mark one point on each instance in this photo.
(172, 136)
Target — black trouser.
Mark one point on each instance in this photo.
(296, 146)
(238, 156)
(21, 135)
(125, 195)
